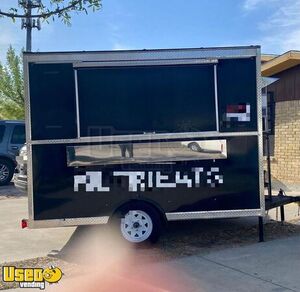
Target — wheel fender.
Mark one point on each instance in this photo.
(153, 204)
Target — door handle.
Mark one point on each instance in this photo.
(14, 147)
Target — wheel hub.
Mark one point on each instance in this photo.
(136, 225)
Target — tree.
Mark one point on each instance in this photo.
(11, 87)
(54, 8)
(59, 8)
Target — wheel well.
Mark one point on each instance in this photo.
(12, 162)
(193, 143)
(196, 144)
(146, 202)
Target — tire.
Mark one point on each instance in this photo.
(138, 223)
(195, 147)
(6, 171)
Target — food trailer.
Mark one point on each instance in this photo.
(143, 137)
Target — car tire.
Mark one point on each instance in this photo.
(195, 147)
(138, 223)
(6, 171)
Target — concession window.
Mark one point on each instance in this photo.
(146, 99)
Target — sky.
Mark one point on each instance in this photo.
(144, 24)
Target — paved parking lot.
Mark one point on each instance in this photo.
(270, 266)
(16, 243)
(211, 255)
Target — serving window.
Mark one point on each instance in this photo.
(146, 99)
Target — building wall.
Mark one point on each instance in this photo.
(286, 161)
(288, 85)
(285, 164)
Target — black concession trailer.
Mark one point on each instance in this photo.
(143, 137)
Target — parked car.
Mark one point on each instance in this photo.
(214, 146)
(12, 138)
(20, 177)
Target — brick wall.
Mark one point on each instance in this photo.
(286, 161)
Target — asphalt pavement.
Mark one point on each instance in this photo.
(17, 243)
(270, 266)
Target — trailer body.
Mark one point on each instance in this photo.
(178, 129)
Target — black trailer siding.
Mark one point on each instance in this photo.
(161, 99)
(237, 85)
(54, 195)
(52, 101)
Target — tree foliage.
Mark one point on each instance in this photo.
(11, 74)
(54, 8)
(11, 87)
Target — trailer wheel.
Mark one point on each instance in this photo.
(194, 147)
(138, 223)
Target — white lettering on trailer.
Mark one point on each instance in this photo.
(92, 181)
(160, 178)
(79, 179)
(212, 178)
(138, 180)
(135, 179)
(197, 171)
(150, 179)
(184, 180)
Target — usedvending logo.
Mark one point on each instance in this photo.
(31, 277)
(139, 180)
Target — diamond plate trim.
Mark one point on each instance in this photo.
(144, 137)
(259, 128)
(67, 222)
(213, 214)
(28, 137)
